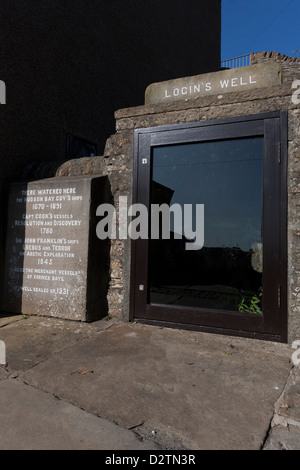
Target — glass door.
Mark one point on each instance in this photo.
(213, 259)
(226, 177)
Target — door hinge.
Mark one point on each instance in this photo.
(279, 295)
(279, 153)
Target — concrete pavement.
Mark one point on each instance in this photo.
(116, 386)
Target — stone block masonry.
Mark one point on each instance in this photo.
(117, 165)
(289, 65)
(55, 265)
(216, 83)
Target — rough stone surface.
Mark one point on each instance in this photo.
(117, 164)
(284, 438)
(168, 379)
(55, 264)
(177, 389)
(288, 405)
(49, 423)
(289, 65)
(226, 81)
(285, 426)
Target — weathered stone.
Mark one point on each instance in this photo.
(55, 264)
(261, 94)
(225, 81)
(283, 438)
(291, 398)
(119, 151)
(215, 110)
(257, 257)
(82, 166)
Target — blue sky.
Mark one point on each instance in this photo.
(260, 25)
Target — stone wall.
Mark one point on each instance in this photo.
(289, 65)
(117, 163)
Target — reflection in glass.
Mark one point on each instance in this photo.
(225, 176)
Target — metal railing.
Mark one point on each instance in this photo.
(235, 62)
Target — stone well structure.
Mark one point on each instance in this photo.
(270, 84)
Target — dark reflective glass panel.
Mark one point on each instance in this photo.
(226, 272)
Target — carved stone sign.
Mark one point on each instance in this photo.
(215, 83)
(55, 264)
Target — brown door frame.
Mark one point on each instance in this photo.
(273, 324)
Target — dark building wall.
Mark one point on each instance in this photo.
(68, 65)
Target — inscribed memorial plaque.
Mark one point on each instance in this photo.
(214, 83)
(55, 264)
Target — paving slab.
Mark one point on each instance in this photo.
(182, 389)
(288, 406)
(35, 420)
(30, 339)
(285, 426)
(283, 438)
